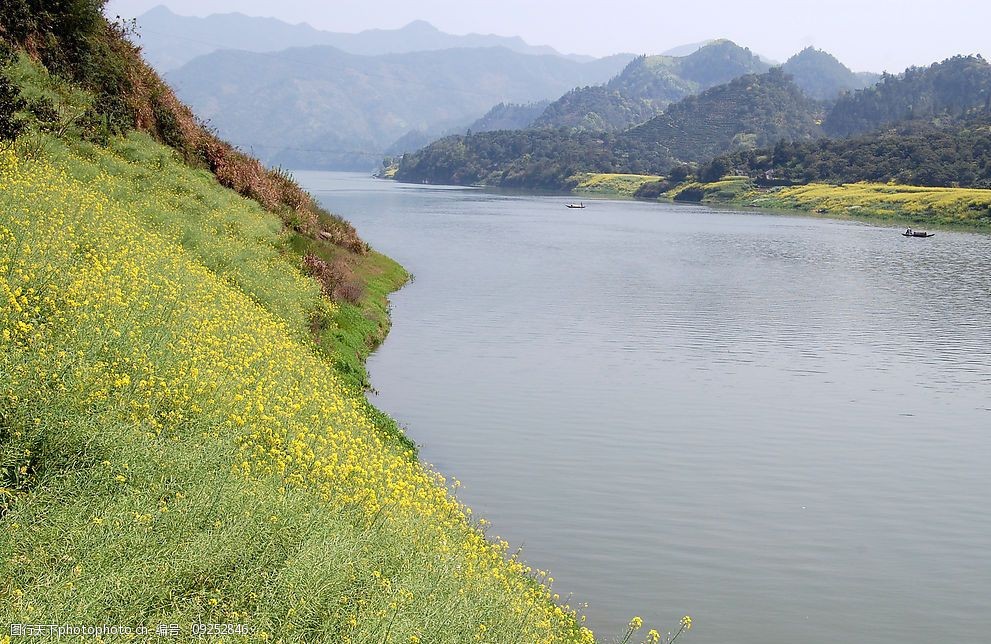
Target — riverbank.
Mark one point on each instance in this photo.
(610, 185)
(919, 206)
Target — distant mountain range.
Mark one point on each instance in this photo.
(300, 97)
(169, 41)
(319, 107)
(504, 116)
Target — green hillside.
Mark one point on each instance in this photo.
(944, 153)
(598, 108)
(653, 78)
(719, 62)
(542, 159)
(165, 461)
(952, 88)
(183, 433)
(822, 77)
(649, 84)
(748, 112)
(509, 116)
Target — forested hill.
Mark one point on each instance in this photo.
(509, 116)
(504, 116)
(822, 77)
(750, 111)
(541, 159)
(647, 85)
(719, 62)
(599, 108)
(952, 88)
(944, 153)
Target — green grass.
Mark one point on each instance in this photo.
(727, 189)
(620, 185)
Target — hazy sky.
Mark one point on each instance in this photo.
(868, 36)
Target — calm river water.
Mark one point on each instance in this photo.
(778, 425)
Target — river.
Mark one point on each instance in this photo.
(779, 425)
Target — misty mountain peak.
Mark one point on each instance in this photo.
(158, 11)
(420, 27)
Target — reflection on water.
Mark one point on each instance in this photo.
(778, 425)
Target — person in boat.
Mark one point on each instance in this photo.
(909, 231)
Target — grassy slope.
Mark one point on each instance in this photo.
(619, 185)
(174, 446)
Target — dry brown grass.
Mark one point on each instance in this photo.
(351, 291)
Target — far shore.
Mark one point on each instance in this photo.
(967, 209)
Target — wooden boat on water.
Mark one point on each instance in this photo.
(917, 233)
(576, 205)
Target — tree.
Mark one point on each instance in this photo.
(679, 173)
(11, 124)
(714, 170)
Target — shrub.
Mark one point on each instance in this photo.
(692, 194)
(350, 291)
(11, 124)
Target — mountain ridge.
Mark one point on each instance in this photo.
(170, 40)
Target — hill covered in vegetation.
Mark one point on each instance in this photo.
(509, 116)
(748, 112)
(923, 152)
(647, 85)
(541, 159)
(926, 126)
(183, 435)
(822, 77)
(952, 88)
(597, 109)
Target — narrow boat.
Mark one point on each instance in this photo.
(576, 205)
(917, 233)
